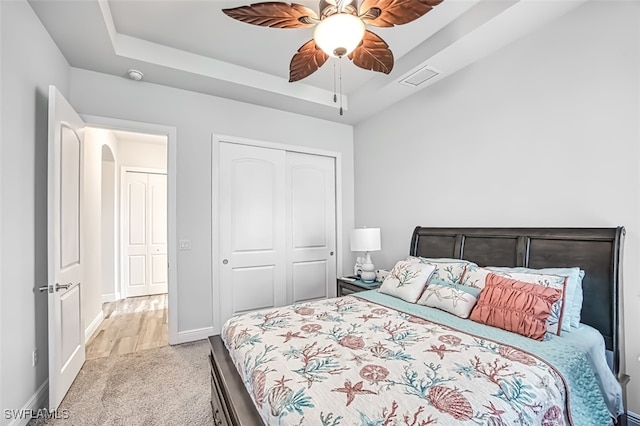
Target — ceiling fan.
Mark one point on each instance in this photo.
(339, 30)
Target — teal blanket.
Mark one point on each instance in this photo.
(585, 403)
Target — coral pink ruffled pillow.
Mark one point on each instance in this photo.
(515, 306)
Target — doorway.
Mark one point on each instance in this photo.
(170, 150)
(119, 311)
(129, 319)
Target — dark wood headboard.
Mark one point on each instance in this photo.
(598, 251)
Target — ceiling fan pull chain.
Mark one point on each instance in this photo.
(341, 111)
(335, 97)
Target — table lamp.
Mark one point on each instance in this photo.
(366, 240)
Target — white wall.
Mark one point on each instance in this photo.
(109, 225)
(30, 62)
(196, 118)
(95, 139)
(1, 203)
(140, 154)
(542, 133)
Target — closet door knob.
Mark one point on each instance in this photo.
(330, 253)
(225, 261)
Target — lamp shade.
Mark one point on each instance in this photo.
(338, 35)
(365, 239)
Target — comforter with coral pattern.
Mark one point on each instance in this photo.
(351, 361)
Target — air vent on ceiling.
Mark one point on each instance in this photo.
(420, 76)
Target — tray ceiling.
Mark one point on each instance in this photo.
(192, 45)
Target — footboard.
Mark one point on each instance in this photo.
(230, 402)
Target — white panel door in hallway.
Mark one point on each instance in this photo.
(145, 234)
(277, 227)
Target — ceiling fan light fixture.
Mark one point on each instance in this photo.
(339, 34)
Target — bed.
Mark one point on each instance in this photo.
(396, 371)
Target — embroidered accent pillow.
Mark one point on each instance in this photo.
(458, 300)
(515, 306)
(448, 271)
(407, 280)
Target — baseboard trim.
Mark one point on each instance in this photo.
(193, 335)
(93, 326)
(109, 298)
(633, 419)
(37, 400)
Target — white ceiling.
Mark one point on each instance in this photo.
(192, 45)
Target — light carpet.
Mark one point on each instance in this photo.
(163, 386)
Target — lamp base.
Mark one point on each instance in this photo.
(368, 270)
(368, 276)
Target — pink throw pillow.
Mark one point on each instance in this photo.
(515, 306)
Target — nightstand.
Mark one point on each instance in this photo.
(346, 287)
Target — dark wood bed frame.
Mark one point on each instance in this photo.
(598, 251)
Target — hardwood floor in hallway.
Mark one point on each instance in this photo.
(130, 325)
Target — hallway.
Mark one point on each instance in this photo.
(130, 325)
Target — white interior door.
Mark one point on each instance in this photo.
(157, 218)
(252, 228)
(66, 324)
(145, 232)
(311, 222)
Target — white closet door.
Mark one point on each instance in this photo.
(252, 228)
(145, 223)
(157, 225)
(311, 222)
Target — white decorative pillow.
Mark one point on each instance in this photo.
(407, 280)
(475, 276)
(448, 271)
(458, 300)
(557, 320)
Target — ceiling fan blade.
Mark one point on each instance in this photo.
(307, 61)
(373, 54)
(387, 13)
(274, 14)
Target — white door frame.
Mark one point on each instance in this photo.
(123, 193)
(172, 231)
(216, 139)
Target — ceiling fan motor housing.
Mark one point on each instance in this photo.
(328, 8)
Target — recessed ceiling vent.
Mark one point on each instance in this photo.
(420, 76)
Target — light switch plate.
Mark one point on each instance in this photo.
(185, 245)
